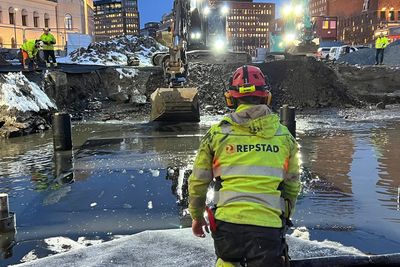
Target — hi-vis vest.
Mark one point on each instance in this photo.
(381, 42)
(253, 160)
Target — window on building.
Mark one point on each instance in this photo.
(11, 15)
(383, 15)
(332, 24)
(46, 20)
(391, 15)
(68, 22)
(24, 16)
(35, 19)
(398, 15)
(1, 15)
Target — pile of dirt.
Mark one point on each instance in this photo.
(306, 83)
(301, 82)
(372, 84)
(367, 56)
(118, 51)
(24, 106)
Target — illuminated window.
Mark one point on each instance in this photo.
(325, 25)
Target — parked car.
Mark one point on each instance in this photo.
(337, 51)
(323, 53)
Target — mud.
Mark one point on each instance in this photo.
(371, 84)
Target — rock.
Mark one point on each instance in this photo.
(380, 105)
(209, 107)
(119, 97)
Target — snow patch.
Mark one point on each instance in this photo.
(127, 73)
(20, 93)
(62, 244)
(31, 256)
(116, 52)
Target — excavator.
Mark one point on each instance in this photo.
(197, 34)
(297, 33)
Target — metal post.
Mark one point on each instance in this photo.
(288, 118)
(15, 27)
(7, 218)
(4, 206)
(7, 228)
(62, 133)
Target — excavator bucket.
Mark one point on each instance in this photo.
(175, 105)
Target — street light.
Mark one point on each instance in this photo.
(15, 27)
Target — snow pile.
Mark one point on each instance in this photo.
(117, 52)
(24, 107)
(168, 248)
(367, 56)
(17, 92)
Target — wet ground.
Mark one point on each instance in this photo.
(130, 177)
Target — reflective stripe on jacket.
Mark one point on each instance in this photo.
(48, 40)
(253, 154)
(29, 47)
(381, 42)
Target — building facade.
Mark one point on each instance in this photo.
(150, 29)
(319, 8)
(249, 24)
(360, 19)
(116, 18)
(25, 19)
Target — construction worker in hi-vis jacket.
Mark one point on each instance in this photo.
(253, 163)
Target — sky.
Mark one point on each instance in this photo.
(152, 10)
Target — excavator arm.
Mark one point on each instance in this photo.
(176, 102)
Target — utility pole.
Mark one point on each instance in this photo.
(15, 27)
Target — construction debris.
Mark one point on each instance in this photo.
(121, 51)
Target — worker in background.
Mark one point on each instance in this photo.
(30, 49)
(48, 48)
(380, 44)
(252, 160)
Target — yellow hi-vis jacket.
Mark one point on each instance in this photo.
(381, 42)
(253, 154)
(48, 40)
(30, 48)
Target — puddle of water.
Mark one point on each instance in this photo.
(130, 177)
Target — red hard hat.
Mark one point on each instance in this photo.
(248, 81)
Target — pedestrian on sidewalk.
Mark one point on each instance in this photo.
(48, 48)
(30, 49)
(380, 44)
(252, 161)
